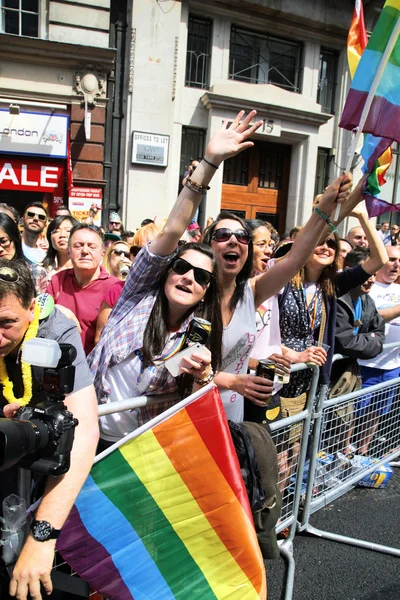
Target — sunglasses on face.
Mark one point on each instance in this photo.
(224, 234)
(8, 275)
(330, 243)
(122, 252)
(114, 223)
(31, 215)
(182, 266)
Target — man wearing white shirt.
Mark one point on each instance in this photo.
(384, 233)
(386, 295)
(34, 222)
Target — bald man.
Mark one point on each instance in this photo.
(357, 237)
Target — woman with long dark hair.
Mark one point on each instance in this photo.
(308, 308)
(164, 291)
(57, 257)
(10, 239)
(231, 241)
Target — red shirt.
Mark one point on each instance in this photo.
(84, 302)
(113, 293)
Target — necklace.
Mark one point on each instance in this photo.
(8, 386)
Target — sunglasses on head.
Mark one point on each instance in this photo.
(8, 275)
(182, 266)
(224, 234)
(330, 243)
(122, 252)
(31, 215)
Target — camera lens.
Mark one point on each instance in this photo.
(20, 438)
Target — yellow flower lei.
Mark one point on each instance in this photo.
(8, 386)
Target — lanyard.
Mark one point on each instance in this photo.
(312, 310)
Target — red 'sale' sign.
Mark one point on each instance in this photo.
(32, 175)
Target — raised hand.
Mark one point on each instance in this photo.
(336, 193)
(229, 141)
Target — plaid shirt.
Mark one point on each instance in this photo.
(123, 333)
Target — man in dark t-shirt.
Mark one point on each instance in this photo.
(20, 319)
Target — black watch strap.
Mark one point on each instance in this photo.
(43, 531)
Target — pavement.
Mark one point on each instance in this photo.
(327, 570)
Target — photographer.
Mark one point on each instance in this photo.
(21, 319)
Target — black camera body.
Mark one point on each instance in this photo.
(40, 438)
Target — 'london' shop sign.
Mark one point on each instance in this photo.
(33, 133)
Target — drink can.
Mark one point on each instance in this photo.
(266, 369)
(198, 332)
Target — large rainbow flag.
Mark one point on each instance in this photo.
(384, 116)
(166, 516)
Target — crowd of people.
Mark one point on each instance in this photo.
(131, 296)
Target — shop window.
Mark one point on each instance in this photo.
(20, 17)
(198, 53)
(322, 173)
(327, 80)
(256, 58)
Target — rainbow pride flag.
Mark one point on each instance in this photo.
(384, 116)
(357, 38)
(165, 515)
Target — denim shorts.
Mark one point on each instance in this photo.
(372, 376)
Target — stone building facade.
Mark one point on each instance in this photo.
(193, 64)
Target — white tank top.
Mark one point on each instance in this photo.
(237, 342)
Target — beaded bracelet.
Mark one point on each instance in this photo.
(326, 219)
(210, 163)
(208, 379)
(196, 187)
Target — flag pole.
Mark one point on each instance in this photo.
(371, 94)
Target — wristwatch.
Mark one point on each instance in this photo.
(43, 531)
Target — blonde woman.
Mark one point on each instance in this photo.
(117, 260)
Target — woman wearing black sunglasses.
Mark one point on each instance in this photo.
(117, 257)
(230, 240)
(164, 290)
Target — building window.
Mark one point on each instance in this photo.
(269, 217)
(192, 148)
(236, 169)
(256, 58)
(271, 169)
(390, 191)
(20, 17)
(327, 80)
(322, 174)
(198, 54)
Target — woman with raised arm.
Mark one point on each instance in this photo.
(308, 305)
(164, 290)
(231, 240)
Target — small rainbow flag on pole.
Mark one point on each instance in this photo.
(165, 515)
(357, 38)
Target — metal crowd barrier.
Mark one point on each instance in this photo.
(291, 436)
(368, 420)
